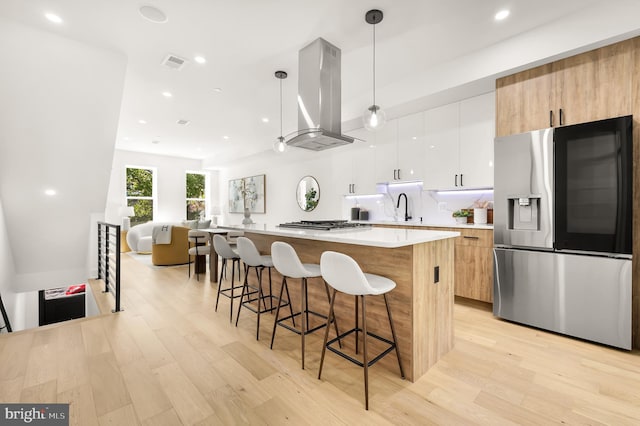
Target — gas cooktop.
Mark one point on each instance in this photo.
(323, 225)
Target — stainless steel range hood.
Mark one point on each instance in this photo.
(319, 98)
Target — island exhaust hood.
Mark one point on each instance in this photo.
(319, 98)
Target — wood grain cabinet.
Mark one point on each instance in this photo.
(473, 261)
(474, 264)
(590, 86)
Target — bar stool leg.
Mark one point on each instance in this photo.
(233, 261)
(245, 286)
(224, 264)
(335, 321)
(326, 332)
(393, 334)
(364, 348)
(275, 322)
(356, 321)
(304, 314)
(260, 297)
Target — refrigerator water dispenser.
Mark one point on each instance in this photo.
(524, 213)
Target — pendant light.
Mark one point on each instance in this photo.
(279, 146)
(374, 118)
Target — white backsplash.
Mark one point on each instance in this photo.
(430, 206)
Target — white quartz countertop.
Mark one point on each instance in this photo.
(364, 236)
(430, 225)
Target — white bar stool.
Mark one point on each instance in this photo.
(253, 259)
(224, 250)
(288, 264)
(199, 238)
(344, 275)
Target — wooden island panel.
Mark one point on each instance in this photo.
(422, 311)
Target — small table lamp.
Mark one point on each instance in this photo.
(215, 211)
(126, 212)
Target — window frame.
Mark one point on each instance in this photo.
(154, 190)
(207, 207)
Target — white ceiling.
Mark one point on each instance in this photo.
(246, 41)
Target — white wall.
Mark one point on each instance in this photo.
(59, 110)
(7, 272)
(170, 184)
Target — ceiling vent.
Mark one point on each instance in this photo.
(174, 62)
(183, 122)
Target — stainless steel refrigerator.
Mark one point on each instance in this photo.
(562, 230)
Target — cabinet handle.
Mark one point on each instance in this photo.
(456, 180)
(470, 238)
(399, 178)
(394, 174)
(551, 118)
(461, 184)
(561, 116)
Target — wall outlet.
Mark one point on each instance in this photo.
(442, 206)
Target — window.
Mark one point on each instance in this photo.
(140, 194)
(196, 190)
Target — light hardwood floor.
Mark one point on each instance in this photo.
(169, 359)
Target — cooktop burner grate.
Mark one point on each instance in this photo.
(323, 225)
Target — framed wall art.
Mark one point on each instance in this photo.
(247, 192)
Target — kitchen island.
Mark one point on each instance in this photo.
(420, 262)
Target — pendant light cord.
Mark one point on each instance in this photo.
(374, 64)
(281, 109)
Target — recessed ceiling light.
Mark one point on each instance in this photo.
(155, 142)
(200, 59)
(167, 94)
(414, 137)
(126, 138)
(53, 18)
(142, 121)
(153, 14)
(183, 122)
(217, 89)
(372, 146)
(503, 14)
(225, 138)
(50, 192)
(265, 120)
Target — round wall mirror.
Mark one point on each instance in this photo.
(308, 193)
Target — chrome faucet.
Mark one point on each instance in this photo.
(406, 210)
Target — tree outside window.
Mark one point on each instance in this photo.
(140, 194)
(196, 190)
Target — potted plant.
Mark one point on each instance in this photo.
(461, 215)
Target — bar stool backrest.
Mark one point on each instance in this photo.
(344, 274)
(248, 252)
(196, 236)
(286, 260)
(223, 248)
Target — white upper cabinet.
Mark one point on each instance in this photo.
(386, 149)
(353, 166)
(412, 148)
(477, 132)
(442, 135)
(400, 149)
(460, 144)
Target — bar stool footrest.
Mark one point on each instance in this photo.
(224, 291)
(297, 331)
(377, 358)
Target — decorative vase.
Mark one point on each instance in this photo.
(247, 217)
(480, 216)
